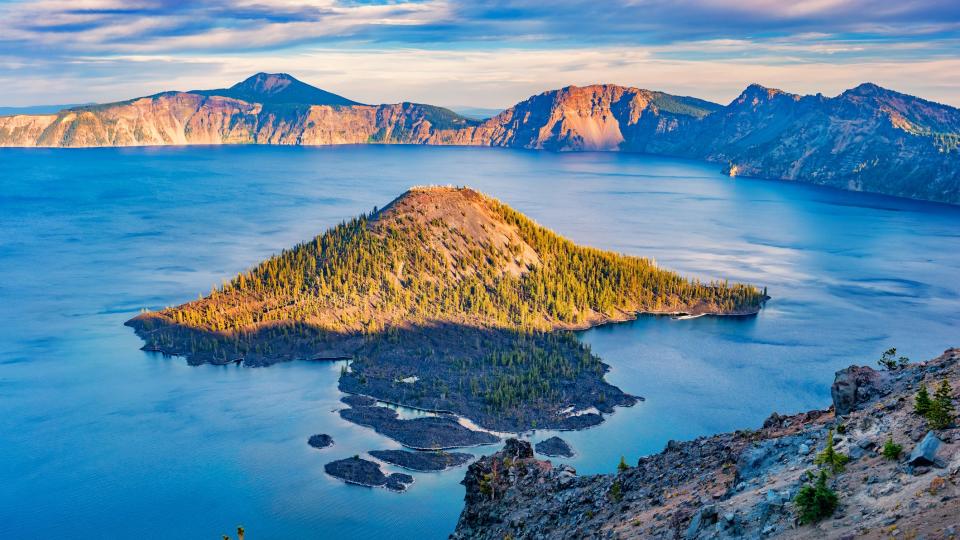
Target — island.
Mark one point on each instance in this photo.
(362, 472)
(445, 300)
(320, 440)
(554, 447)
(422, 461)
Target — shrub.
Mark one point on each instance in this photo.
(622, 466)
(830, 458)
(888, 360)
(891, 450)
(616, 492)
(922, 403)
(817, 501)
(940, 414)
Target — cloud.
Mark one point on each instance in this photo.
(487, 53)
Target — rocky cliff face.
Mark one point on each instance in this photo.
(181, 118)
(743, 484)
(600, 117)
(866, 139)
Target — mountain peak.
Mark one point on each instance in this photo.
(266, 83)
(868, 89)
(758, 92)
(279, 88)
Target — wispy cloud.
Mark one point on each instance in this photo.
(488, 53)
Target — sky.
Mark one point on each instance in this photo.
(474, 53)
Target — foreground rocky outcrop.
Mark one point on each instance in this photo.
(866, 139)
(743, 484)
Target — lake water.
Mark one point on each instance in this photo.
(101, 440)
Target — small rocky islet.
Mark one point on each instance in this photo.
(320, 441)
(422, 461)
(554, 447)
(362, 472)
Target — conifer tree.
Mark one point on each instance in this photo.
(830, 458)
(940, 414)
(921, 403)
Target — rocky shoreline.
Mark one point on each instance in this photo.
(422, 461)
(442, 432)
(745, 484)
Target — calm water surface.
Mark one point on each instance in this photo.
(101, 440)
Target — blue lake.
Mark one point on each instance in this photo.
(101, 440)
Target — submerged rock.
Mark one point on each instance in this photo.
(320, 440)
(554, 447)
(422, 461)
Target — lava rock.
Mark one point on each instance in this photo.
(425, 433)
(422, 461)
(356, 470)
(853, 386)
(320, 440)
(554, 447)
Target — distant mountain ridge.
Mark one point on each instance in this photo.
(866, 139)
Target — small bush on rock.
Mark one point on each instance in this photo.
(888, 360)
(816, 502)
(891, 450)
(616, 492)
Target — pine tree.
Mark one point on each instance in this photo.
(889, 359)
(940, 414)
(815, 502)
(891, 450)
(830, 458)
(623, 465)
(921, 403)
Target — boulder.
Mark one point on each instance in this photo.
(854, 386)
(925, 453)
(707, 515)
(517, 449)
